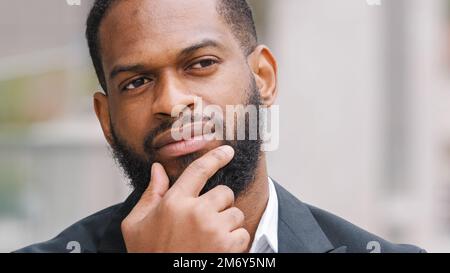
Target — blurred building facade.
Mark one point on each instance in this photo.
(364, 99)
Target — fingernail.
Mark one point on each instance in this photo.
(152, 170)
(228, 149)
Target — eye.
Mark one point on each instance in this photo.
(136, 83)
(203, 64)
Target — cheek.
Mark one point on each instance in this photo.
(226, 96)
(230, 88)
(132, 122)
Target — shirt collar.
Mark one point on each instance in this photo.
(266, 236)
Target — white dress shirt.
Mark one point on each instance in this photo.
(266, 236)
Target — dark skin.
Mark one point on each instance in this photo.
(161, 53)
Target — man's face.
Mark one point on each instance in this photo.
(160, 54)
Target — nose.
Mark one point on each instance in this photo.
(172, 95)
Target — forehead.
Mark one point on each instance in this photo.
(158, 27)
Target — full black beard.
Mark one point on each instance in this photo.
(237, 175)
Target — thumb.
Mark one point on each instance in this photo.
(157, 188)
(159, 181)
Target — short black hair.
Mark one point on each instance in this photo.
(236, 13)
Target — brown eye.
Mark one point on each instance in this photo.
(137, 83)
(203, 64)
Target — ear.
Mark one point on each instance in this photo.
(102, 110)
(265, 69)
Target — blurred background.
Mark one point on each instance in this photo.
(364, 101)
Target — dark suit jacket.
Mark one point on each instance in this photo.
(301, 228)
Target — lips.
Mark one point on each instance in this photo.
(167, 146)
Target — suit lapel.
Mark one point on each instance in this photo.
(298, 230)
(342, 249)
(112, 240)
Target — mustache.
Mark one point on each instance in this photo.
(168, 124)
(161, 128)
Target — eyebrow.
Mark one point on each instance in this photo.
(183, 53)
(125, 68)
(203, 44)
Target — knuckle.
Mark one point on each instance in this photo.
(199, 212)
(226, 192)
(229, 192)
(199, 167)
(126, 226)
(226, 245)
(223, 242)
(221, 247)
(225, 189)
(245, 239)
(241, 241)
(169, 205)
(210, 229)
(238, 215)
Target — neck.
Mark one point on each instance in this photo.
(253, 201)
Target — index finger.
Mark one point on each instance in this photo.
(195, 176)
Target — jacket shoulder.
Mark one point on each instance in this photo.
(343, 233)
(82, 236)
